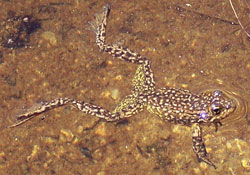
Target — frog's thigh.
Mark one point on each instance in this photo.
(129, 106)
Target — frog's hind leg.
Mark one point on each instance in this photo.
(98, 25)
(22, 118)
(126, 108)
(143, 86)
(129, 106)
(143, 80)
(85, 107)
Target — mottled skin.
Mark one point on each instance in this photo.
(178, 106)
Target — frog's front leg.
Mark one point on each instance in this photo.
(199, 146)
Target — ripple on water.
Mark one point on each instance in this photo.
(241, 111)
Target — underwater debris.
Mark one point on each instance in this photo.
(1, 58)
(17, 30)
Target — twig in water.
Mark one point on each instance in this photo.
(238, 19)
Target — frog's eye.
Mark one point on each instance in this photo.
(216, 109)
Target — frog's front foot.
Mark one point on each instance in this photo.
(199, 146)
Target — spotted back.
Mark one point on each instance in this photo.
(183, 107)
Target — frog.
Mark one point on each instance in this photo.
(175, 105)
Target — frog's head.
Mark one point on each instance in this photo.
(216, 106)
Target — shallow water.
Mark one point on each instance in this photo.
(191, 45)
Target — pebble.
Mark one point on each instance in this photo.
(79, 129)
(184, 86)
(197, 171)
(115, 94)
(219, 81)
(66, 135)
(106, 94)
(101, 130)
(245, 163)
(49, 140)
(229, 145)
(118, 77)
(2, 156)
(203, 165)
(34, 153)
(248, 66)
(50, 37)
(242, 146)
